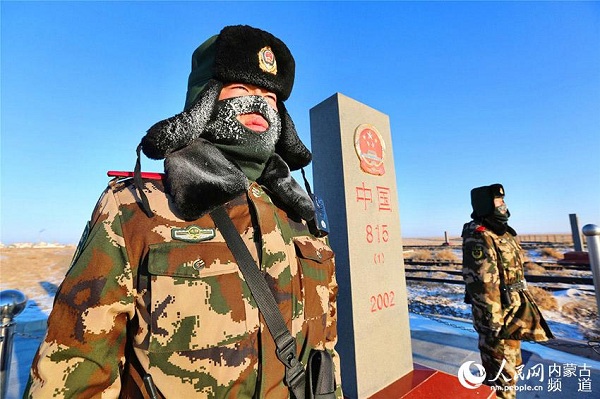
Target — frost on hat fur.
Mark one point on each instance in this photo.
(232, 56)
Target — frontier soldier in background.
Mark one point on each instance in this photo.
(154, 304)
(504, 312)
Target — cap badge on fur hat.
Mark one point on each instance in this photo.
(267, 61)
(497, 190)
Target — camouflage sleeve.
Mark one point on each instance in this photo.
(83, 351)
(480, 271)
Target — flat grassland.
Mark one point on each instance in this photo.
(35, 271)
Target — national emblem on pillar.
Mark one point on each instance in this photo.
(370, 149)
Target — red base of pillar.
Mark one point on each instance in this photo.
(426, 383)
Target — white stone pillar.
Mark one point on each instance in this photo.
(354, 173)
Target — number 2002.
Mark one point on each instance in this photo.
(382, 301)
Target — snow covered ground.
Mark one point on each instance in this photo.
(447, 300)
(575, 317)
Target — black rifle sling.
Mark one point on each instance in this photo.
(285, 342)
(505, 299)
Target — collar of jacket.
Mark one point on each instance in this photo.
(199, 178)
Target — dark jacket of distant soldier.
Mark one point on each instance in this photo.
(153, 289)
(504, 311)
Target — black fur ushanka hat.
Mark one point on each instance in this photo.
(237, 54)
(246, 55)
(482, 199)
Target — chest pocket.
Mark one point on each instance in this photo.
(317, 268)
(509, 254)
(196, 297)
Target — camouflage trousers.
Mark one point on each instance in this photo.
(500, 358)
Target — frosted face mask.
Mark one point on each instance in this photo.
(500, 210)
(236, 141)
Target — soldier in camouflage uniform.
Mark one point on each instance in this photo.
(154, 293)
(504, 312)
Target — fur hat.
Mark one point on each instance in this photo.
(242, 54)
(237, 54)
(482, 199)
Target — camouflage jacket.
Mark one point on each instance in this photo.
(493, 264)
(164, 297)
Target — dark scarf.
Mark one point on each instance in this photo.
(497, 226)
(200, 178)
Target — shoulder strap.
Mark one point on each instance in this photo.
(139, 184)
(285, 342)
(504, 294)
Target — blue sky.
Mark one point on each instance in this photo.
(476, 92)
